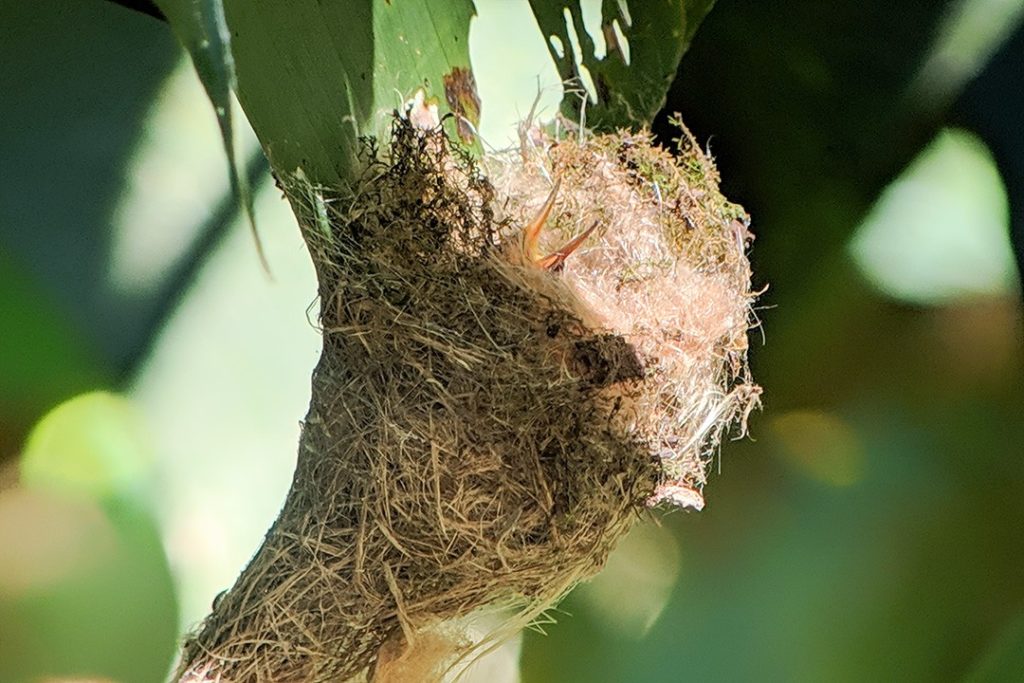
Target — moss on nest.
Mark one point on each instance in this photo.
(666, 270)
(482, 431)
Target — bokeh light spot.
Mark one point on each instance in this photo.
(47, 538)
(819, 445)
(93, 444)
(631, 592)
(939, 231)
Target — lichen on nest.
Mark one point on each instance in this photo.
(482, 430)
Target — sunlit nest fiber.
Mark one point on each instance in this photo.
(483, 429)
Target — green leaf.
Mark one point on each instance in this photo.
(42, 356)
(314, 75)
(202, 28)
(644, 42)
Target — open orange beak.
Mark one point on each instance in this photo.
(531, 236)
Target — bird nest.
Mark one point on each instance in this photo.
(514, 367)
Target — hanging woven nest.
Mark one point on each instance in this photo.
(514, 367)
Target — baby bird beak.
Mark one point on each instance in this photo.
(531, 233)
(531, 236)
(555, 261)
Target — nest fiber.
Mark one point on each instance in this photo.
(483, 429)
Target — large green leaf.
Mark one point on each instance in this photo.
(644, 42)
(315, 75)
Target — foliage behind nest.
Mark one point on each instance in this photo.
(482, 430)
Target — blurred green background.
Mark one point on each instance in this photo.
(152, 377)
